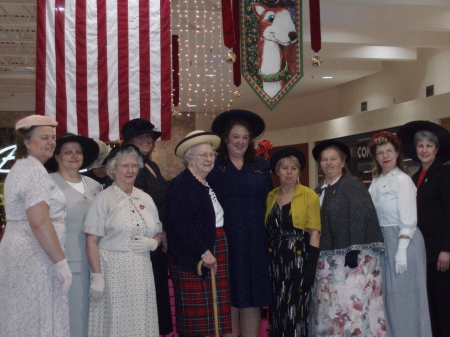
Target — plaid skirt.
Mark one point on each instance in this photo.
(193, 295)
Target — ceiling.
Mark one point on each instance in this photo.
(357, 36)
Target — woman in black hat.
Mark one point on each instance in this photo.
(72, 154)
(293, 221)
(195, 234)
(122, 226)
(242, 181)
(141, 133)
(429, 144)
(348, 293)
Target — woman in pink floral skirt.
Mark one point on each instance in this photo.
(348, 297)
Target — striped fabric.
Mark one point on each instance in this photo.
(101, 63)
(193, 295)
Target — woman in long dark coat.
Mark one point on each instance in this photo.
(429, 144)
(242, 182)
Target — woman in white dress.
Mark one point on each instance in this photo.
(122, 227)
(72, 154)
(34, 275)
(403, 263)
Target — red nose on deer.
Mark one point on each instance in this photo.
(292, 35)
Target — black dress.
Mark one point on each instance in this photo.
(288, 249)
(158, 188)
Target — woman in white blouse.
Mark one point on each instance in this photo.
(404, 262)
(121, 227)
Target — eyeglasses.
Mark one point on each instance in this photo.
(206, 156)
(125, 167)
(388, 152)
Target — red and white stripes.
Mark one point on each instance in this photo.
(101, 63)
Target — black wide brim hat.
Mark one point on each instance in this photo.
(286, 152)
(89, 147)
(406, 134)
(317, 150)
(115, 150)
(138, 127)
(255, 122)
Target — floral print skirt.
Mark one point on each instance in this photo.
(349, 302)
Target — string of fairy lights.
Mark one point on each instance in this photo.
(205, 76)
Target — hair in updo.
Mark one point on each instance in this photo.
(383, 138)
(22, 135)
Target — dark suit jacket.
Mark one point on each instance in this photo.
(433, 209)
(191, 230)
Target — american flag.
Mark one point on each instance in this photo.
(101, 63)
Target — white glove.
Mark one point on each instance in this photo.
(400, 257)
(64, 275)
(143, 244)
(97, 286)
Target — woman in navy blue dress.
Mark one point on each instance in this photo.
(242, 181)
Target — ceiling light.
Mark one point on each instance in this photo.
(210, 75)
(327, 77)
(191, 105)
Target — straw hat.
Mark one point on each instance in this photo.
(104, 151)
(194, 138)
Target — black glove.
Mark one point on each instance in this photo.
(351, 259)
(309, 272)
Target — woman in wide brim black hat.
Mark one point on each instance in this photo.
(195, 234)
(350, 236)
(72, 154)
(89, 148)
(293, 222)
(242, 181)
(429, 144)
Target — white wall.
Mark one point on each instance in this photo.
(402, 81)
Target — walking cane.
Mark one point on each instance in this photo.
(214, 294)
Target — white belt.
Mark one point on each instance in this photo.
(388, 225)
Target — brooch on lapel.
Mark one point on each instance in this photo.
(141, 206)
(223, 169)
(259, 171)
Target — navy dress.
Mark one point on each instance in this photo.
(242, 194)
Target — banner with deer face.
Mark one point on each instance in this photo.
(271, 47)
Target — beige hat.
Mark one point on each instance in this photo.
(194, 138)
(104, 151)
(35, 120)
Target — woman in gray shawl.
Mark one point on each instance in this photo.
(347, 296)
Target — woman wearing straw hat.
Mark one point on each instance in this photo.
(242, 182)
(403, 262)
(34, 274)
(72, 154)
(97, 170)
(429, 144)
(195, 233)
(293, 221)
